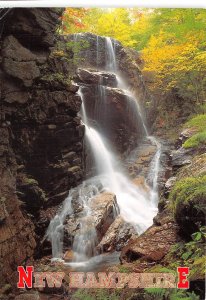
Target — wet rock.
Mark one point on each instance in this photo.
(152, 245)
(69, 256)
(181, 157)
(122, 130)
(103, 211)
(141, 183)
(138, 163)
(89, 51)
(101, 217)
(184, 135)
(97, 77)
(117, 236)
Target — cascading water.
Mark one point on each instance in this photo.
(135, 205)
(111, 57)
(154, 171)
(86, 240)
(55, 231)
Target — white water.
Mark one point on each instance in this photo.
(136, 205)
(86, 239)
(55, 231)
(111, 57)
(154, 171)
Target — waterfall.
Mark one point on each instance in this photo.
(55, 231)
(112, 66)
(134, 204)
(86, 240)
(111, 57)
(154, 171)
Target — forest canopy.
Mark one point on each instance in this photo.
(172, 43)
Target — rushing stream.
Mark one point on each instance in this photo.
(134, 205)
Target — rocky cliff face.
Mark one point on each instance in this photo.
(101, 73)
(41, 152)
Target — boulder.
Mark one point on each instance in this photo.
(26, 71)
(188, 198)
(68, 256)
(186, 134)
(97, 77)
(102, 215)
(181, 157)
(117, 236)
(152, 245)
(14, 50)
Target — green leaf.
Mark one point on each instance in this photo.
(186, 255)
(197, 236)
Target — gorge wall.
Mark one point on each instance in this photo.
(41, 154)
(42, 149)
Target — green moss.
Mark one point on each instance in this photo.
(71, 51)
(199, 138)
(60, 77)
(196, 140)
(30, 181)
(123, 269)
(33, 185)
(161, 269)
(201, 109)
(198, 122)
(187, 200)
(187, 190)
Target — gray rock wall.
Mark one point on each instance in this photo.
(41, 148)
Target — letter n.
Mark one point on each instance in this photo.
(25, 277)
(183, 283)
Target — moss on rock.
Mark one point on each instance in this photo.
(198, 123)
(188, 199)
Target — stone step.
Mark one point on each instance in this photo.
(90, 76)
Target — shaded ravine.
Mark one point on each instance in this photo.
(135, 206)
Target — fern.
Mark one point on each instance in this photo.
(156, 292)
